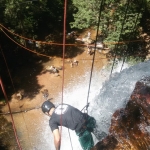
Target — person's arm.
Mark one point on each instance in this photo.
(56, 139)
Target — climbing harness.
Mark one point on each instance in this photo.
(85, 107)
(84, 134)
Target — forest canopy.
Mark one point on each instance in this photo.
(117, 16)
(118, 20)
(38, 18)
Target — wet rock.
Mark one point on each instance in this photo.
(108, 143)
(130, 126)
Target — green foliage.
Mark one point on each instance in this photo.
(31, 18)
(147, 5)
(115, 25)
(133, 60)
(21, 15)
(86, 13)
(42, 17)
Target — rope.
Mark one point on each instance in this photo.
(33, 50)
(59, 44)
(119, 37)
(70, 139)
(100, 10)
(51, 43)
(13, 124)
(17, 112)
(64, 41)
(125, 55)
(44, 54)
(14, 89)
(41, 42)
(86, 106)
(7, 68)
(23, 46)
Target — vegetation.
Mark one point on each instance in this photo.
(120, 20)
(38, 18)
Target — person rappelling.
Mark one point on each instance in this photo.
(70, 117)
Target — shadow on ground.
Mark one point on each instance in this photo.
(23, 67)
(7, 138)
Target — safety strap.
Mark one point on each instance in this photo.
(85, 107)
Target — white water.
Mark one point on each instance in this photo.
(77, 96)
(105, 97)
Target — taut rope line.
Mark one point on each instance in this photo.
(13, 124)
(63, 74)
(116, 46)
(125, 55)
(59, 44)
(100, 10)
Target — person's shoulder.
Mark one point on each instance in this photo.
(64, 105)
(69, 106)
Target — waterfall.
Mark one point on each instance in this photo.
(115, 94)
(105, 97)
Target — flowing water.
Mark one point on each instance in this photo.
(115, 94)
(106, 94)
(105, 97)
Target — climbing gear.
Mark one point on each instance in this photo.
(46, 106)
(90, 124)
(85, 107)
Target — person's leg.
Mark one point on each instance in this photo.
(90, 124)
(92, 127)
(86, 140)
